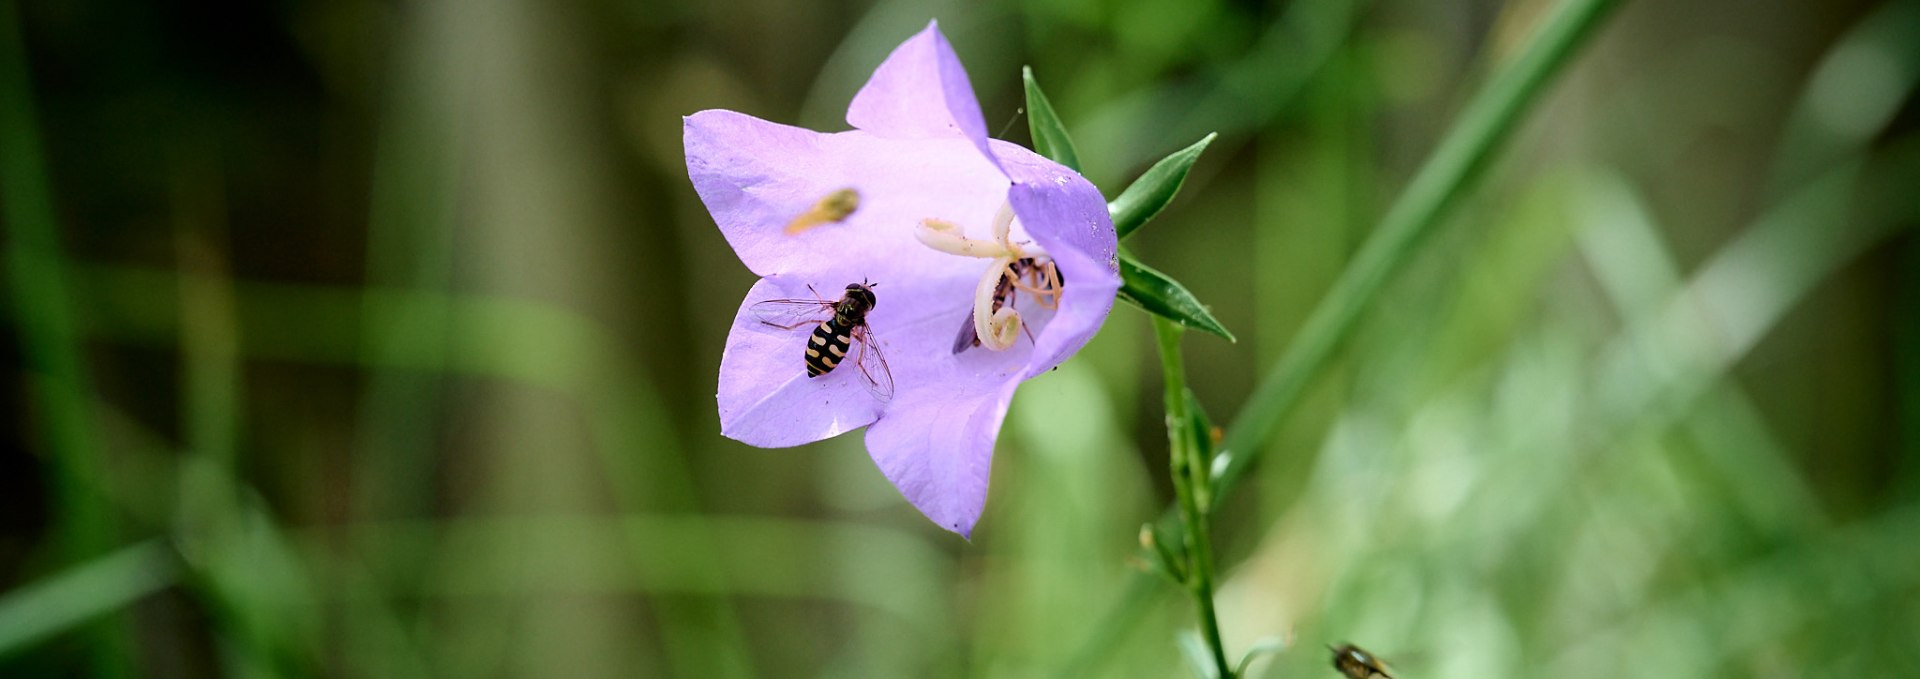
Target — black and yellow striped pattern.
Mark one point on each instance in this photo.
(828, 345)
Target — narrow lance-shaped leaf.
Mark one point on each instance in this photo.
(1167, 550)
(1049, 136)
(1158, 294)
(1267, 646)
(1201, 429)
(1151, 193)
(1199, 659)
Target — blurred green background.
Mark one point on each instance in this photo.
(378, 338)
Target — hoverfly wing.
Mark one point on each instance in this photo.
(967, 339)
(788, 314)
(873, 364)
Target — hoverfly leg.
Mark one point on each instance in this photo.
(1013, 302)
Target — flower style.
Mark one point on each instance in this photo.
(957, 232)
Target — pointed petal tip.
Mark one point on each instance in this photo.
(921, 90)
(936, 446)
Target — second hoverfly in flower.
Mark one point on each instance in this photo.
(832, 338)
(1014, 266)
(1040, 278)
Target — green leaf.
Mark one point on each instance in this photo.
(1163, 296)
(1200, 428)
(1151, 193)
(1194, 649)
(1169, 552)
(1049, 136)
(1264, 647)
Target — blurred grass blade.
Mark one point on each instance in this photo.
(1163, 296)
(49, 337)
(1234, 97)
(1049, 136)
(1488, 120)
(33, 613)
(1148, 195)
(43, 301)
(1854, 92)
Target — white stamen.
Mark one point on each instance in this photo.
(947, 237)
(996, 328)
(1003, 223)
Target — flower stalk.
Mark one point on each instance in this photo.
(1190, 477)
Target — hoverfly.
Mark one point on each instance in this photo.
(834, 208)
(1357, 663)
(836, 324)
(1043, 280)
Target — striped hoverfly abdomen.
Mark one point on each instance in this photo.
(839, 329)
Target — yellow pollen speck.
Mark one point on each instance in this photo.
(835, 207)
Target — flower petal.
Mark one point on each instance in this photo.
(1065, 214)
(936, 445)
(921, 91)
(756, 177)
(766, 398)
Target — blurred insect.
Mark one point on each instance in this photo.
(836, 324)
(834, 208)
(1043, 280)
(1357, 663)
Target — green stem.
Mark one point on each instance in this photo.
(1448, 175)
(1189, 487)
(1487, 121)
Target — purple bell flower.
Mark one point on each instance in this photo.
(955, 232)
